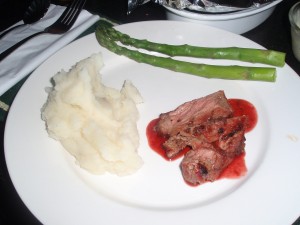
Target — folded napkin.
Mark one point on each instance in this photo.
(30, 55)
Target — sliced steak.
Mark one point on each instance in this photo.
(227, 134)
(206, 161)
(207, 126)
(175, 144)
(203, 164)
(178, 142)
(232, 141)
(194, 112)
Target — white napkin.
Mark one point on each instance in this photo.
(31, 54)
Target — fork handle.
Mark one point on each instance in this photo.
(10, 29)
(4, 54)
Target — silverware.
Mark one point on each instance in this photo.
(62, 25)
(35, 11)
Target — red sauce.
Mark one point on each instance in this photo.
(242, 107)
(155, 142)
(237, 167)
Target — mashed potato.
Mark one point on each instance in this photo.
(94, 123)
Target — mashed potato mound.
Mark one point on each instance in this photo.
(96, 124)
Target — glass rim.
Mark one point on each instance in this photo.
(291, 15)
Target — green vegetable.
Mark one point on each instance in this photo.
(106, 36)
(268, 57)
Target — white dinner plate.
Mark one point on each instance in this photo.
(57, 191)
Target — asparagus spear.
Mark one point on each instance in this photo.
(268, 57)
(104, 37)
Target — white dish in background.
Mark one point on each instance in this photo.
(58, 192)
(237, 22)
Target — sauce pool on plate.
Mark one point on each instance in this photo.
(242, 107)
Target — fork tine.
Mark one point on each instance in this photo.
(67, 11)
(75, 10)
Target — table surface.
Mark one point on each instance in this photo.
(274, 34)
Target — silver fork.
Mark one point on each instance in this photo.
(62, 25)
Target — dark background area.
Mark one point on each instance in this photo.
(274, 34)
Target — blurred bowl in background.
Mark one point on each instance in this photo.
(237, 22)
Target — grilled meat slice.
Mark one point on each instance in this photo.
(206, 161)
(232, 140)
(203, 164)
(175, 144)
(226, 134)
(195, 112)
